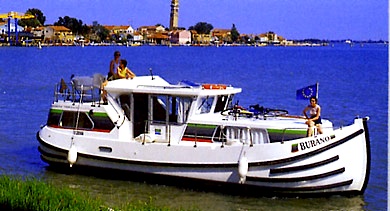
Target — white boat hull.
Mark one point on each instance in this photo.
(323, 164)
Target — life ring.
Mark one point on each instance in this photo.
(213, 86)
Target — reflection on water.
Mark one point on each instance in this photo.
(115, 191)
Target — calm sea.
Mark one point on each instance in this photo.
(353, 82)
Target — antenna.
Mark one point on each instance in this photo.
(151, 73)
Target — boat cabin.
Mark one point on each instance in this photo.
(162, 110)
(149, 109)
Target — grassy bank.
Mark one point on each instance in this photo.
(32, 194)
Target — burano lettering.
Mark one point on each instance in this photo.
(313, 143)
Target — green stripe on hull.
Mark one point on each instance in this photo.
(287, 132)
(57, 111)
(97, 114)
(201, 126)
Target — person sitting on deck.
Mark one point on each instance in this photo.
(315, 116)
(123, 71)
(114, 64)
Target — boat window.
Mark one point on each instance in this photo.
(205, 104)
(101, 121)
(222, 102)
(90, 120)
(183, 108)
(177, 107)
(199, 133)
(159, 108)
(54, 117)
(69, 120)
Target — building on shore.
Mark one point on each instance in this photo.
(180, 37)
(58, 34)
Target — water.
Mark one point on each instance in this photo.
(353, 81)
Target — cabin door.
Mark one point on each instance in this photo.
(140, 112)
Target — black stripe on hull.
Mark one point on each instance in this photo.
(52, 155)
(295, 179)
(368, 167)
(313, 188)
(303, 167)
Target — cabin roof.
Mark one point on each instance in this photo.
(157, 85)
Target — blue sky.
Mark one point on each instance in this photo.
(299, 19)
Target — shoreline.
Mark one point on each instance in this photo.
(300, 44)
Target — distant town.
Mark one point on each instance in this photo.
(30, 29)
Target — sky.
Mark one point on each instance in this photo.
(299, 19)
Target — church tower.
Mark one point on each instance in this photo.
(174, 19)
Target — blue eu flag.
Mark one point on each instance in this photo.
(307, 92)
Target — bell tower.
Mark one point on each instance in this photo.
(174, 18)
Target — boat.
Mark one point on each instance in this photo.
(196, 131)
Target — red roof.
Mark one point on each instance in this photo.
(59, 28)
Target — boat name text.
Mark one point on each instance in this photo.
(313, 143)
(310, 144)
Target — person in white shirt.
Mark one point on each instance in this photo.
(315, 116)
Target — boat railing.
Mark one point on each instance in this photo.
(314, 132)
(284, 133)
(86, 93)
(79, 89)
(224, 135)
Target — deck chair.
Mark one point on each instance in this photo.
(82, 86)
